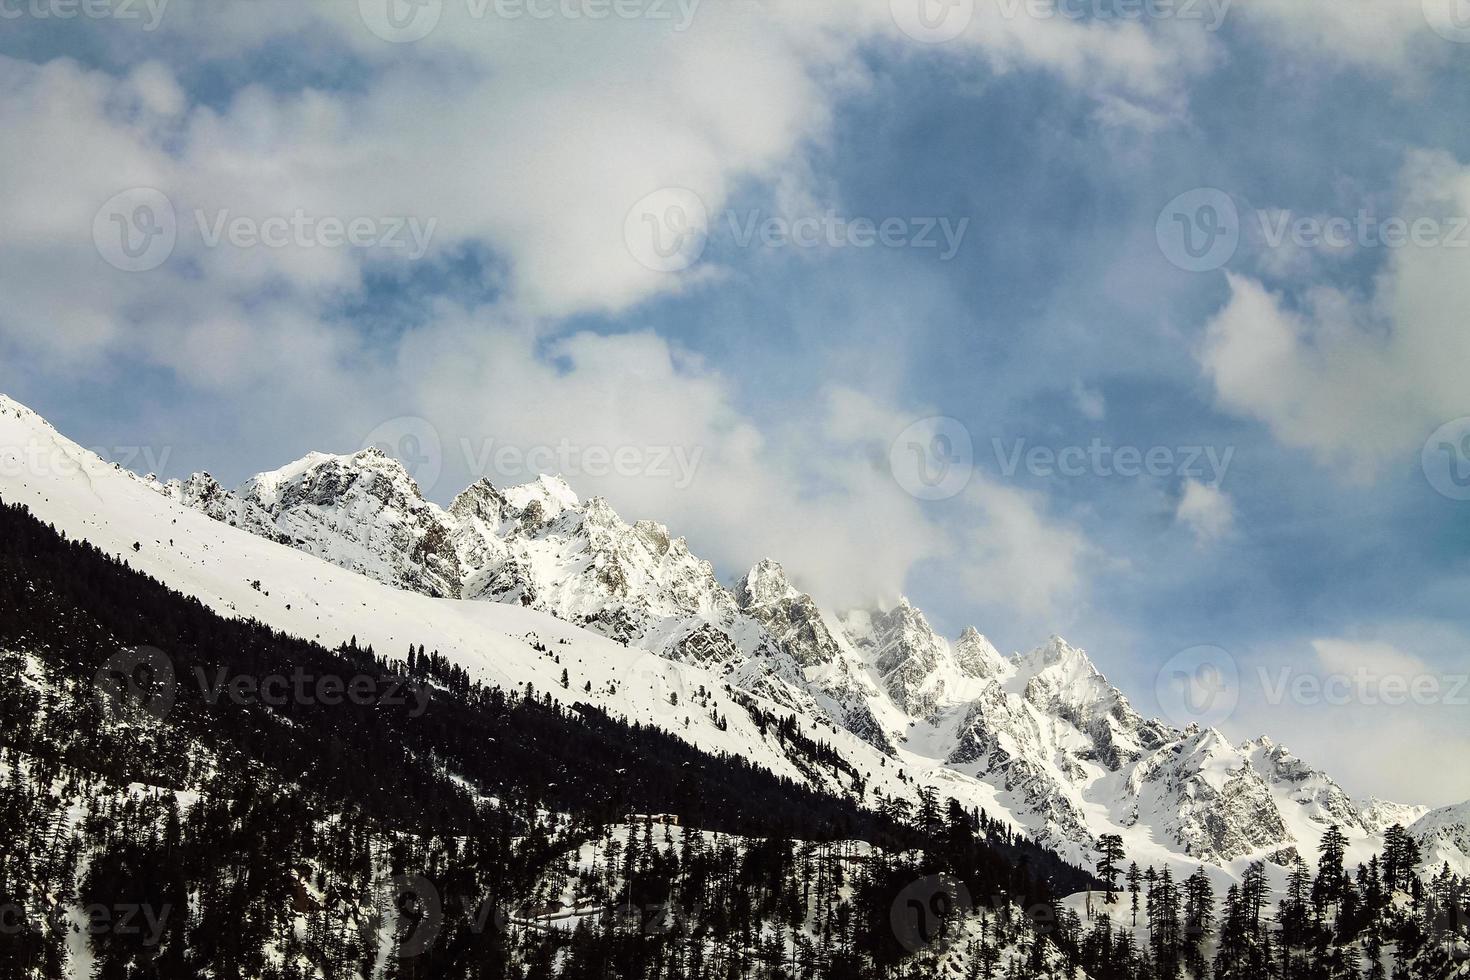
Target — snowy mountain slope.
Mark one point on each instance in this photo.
(536, 545)
(239, 573)
(839, 679)
(1444, 836)
(307, 597)
(1041, 738)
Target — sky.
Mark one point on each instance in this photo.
(1137, 321)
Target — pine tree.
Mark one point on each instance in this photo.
(1133, 880)
(1110, 851)
(1199, 916)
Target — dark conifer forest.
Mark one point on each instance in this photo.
(157, 822)
(415, 832)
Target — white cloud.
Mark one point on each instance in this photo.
(1382, 34)
(1206, 510)
(1355, 379)
(1373, 682)
(818, 494)
(1014, 555)
(531, 139)
(1090, 402)
(1346, 656)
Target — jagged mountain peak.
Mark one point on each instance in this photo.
(551, 493)
(1055, 652)
(480, 500)
(1209, 743)
(1379, 815)
(481, 489)
(765, 583)
(1444, 834)
(599, 512)
(657, 540)
(321, 478)
(977, 656)
(1044, 729)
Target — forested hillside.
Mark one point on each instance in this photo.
(185, 795)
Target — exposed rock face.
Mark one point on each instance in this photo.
(1321, 798)
(1206, 795)
(791, 617)
(916, 666)
(1444, 836)
(1059, 679)
(363, 512)
(1057, 741)
(977, 656)
(1379, 815)
(834, 672)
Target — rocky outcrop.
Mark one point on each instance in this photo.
(1046, 729)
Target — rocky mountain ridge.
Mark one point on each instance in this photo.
(1068, 755)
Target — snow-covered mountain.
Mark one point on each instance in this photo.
(1040, 738)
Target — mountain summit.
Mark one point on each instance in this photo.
(1040, 738)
